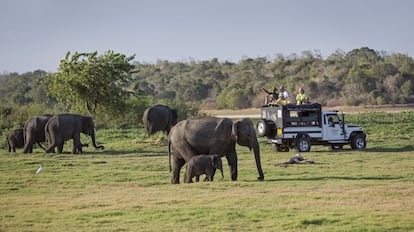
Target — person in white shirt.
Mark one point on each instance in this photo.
(283, 91)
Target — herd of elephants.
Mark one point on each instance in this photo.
(200, 141)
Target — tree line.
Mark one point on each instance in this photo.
(360, 77)
(116, 89)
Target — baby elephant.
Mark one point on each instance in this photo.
(15, 140)
(203, 164)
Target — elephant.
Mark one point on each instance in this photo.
(63, 127)
(159, 118)
(203, 164)
(34, 132)
(211, 135)
(15, 140)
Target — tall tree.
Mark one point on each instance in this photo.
(88, 80)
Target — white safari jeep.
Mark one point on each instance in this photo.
(301, 126)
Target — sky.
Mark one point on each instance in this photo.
(36, 34)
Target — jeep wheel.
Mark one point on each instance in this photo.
(358, 142)
(261, 128)
(303, 144)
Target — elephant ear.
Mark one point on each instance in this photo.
(235, 130)
(224, 129)
(87, 123)
(216, 160)
(212, 157)
(174, 116)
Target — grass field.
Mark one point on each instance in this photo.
(126, 187)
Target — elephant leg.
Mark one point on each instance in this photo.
(178, 164)
(51, 149)
(211, 176)
(60, 148)
(77, 147)
(232, 161)
(8, 143)
(188, 179)
(28, 147)
(31, 148)
(186, 175)
(55, 142)
(80, 149)
(197, 178)
(74, 147)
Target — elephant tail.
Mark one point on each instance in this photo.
(47, 135)
(40, 145)
(24, 135)
(169, 154)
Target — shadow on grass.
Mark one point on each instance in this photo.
(402, 148)
(391, 149)
(129, 152)
(383, 178)
(111, 153)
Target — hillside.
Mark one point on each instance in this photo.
(357, 79)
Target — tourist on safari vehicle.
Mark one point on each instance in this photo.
(272, 95)
(301, 97)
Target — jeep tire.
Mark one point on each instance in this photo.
(303, 144)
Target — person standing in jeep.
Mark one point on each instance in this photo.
(301, 97)
(283, 91)
(272, 95)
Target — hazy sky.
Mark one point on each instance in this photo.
(36, 34)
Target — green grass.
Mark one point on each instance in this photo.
(126, 187)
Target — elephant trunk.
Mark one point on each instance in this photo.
(94, 143)
(221, 170)
(256, 152)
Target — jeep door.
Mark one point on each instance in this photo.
(332, 128)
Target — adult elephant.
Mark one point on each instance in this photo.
(34, 132)
(211, 135)
(159, 118)
(63, 127)
(15, 140)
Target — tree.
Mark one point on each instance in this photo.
(23, 89)
(88, 80)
